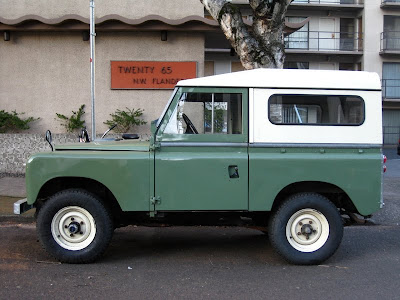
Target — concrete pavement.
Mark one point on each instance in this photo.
(13, 189)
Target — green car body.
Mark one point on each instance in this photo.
(127, 172)
(236, 148)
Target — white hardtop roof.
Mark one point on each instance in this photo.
(290, 78)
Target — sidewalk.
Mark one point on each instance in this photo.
(13, 189)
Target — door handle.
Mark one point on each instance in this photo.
(233, 171)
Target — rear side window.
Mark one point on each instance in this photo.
(316, 110)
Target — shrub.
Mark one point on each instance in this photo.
(12, 122)
(73, 122)
(126, 119)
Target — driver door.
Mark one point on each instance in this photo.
(202, 160)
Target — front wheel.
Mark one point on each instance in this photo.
(306, 229)
(74, 226)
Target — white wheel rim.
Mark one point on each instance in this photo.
(73, 228)
(307, 230)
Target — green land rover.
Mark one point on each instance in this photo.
(289, 152)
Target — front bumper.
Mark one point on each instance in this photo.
(21, 206)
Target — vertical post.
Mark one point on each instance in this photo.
(212, 113)
(92, 70)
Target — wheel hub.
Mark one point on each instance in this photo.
(74, 227)
(307, 230)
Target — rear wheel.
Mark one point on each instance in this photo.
(74, 226)
(306, 229)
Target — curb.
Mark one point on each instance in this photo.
(17, 219)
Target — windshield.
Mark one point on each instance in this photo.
(166, 106)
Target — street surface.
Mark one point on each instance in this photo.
(201, 263)
(209, 263)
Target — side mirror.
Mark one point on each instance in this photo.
(49, 139)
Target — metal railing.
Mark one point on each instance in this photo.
(336, 2)
(391, 135)
(391, 88)
(390, 40)
(389, 1)
(324, 41)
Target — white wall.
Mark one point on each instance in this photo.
(372, 28)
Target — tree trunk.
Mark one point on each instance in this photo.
(262, 46)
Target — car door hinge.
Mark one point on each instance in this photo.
(155, 200)
(155, 146)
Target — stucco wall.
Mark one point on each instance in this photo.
(43, 73)
(372, 27)
(176, 9)
(373, 19)
(15, 149)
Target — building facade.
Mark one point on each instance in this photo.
(45, 51)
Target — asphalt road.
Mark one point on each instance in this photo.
(209, 263)
(201, 263)
(390, 214)
(391, 153)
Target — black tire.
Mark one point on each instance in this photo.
(315, 220)
(83, 214)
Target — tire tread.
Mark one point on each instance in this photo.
(45, 216)
(301, 258)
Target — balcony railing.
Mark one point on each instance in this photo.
(390, 41)
(391, 135)
(335, 2)
(324, 41)
(383, 2)
(391, 88)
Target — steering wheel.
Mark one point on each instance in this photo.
(190, 129)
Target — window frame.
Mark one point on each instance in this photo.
(236, 138)
(316, 124)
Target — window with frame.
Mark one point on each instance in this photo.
(207, 113)
(316, 110)
(300, 38)
(391, 80)
(391, 33)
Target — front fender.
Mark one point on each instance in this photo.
(125, 173)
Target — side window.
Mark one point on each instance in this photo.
(207, 113)
(316, 110)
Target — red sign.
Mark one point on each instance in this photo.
(150, 74)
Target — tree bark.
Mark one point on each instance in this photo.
(262, 46)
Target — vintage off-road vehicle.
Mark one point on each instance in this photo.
(288, 151)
